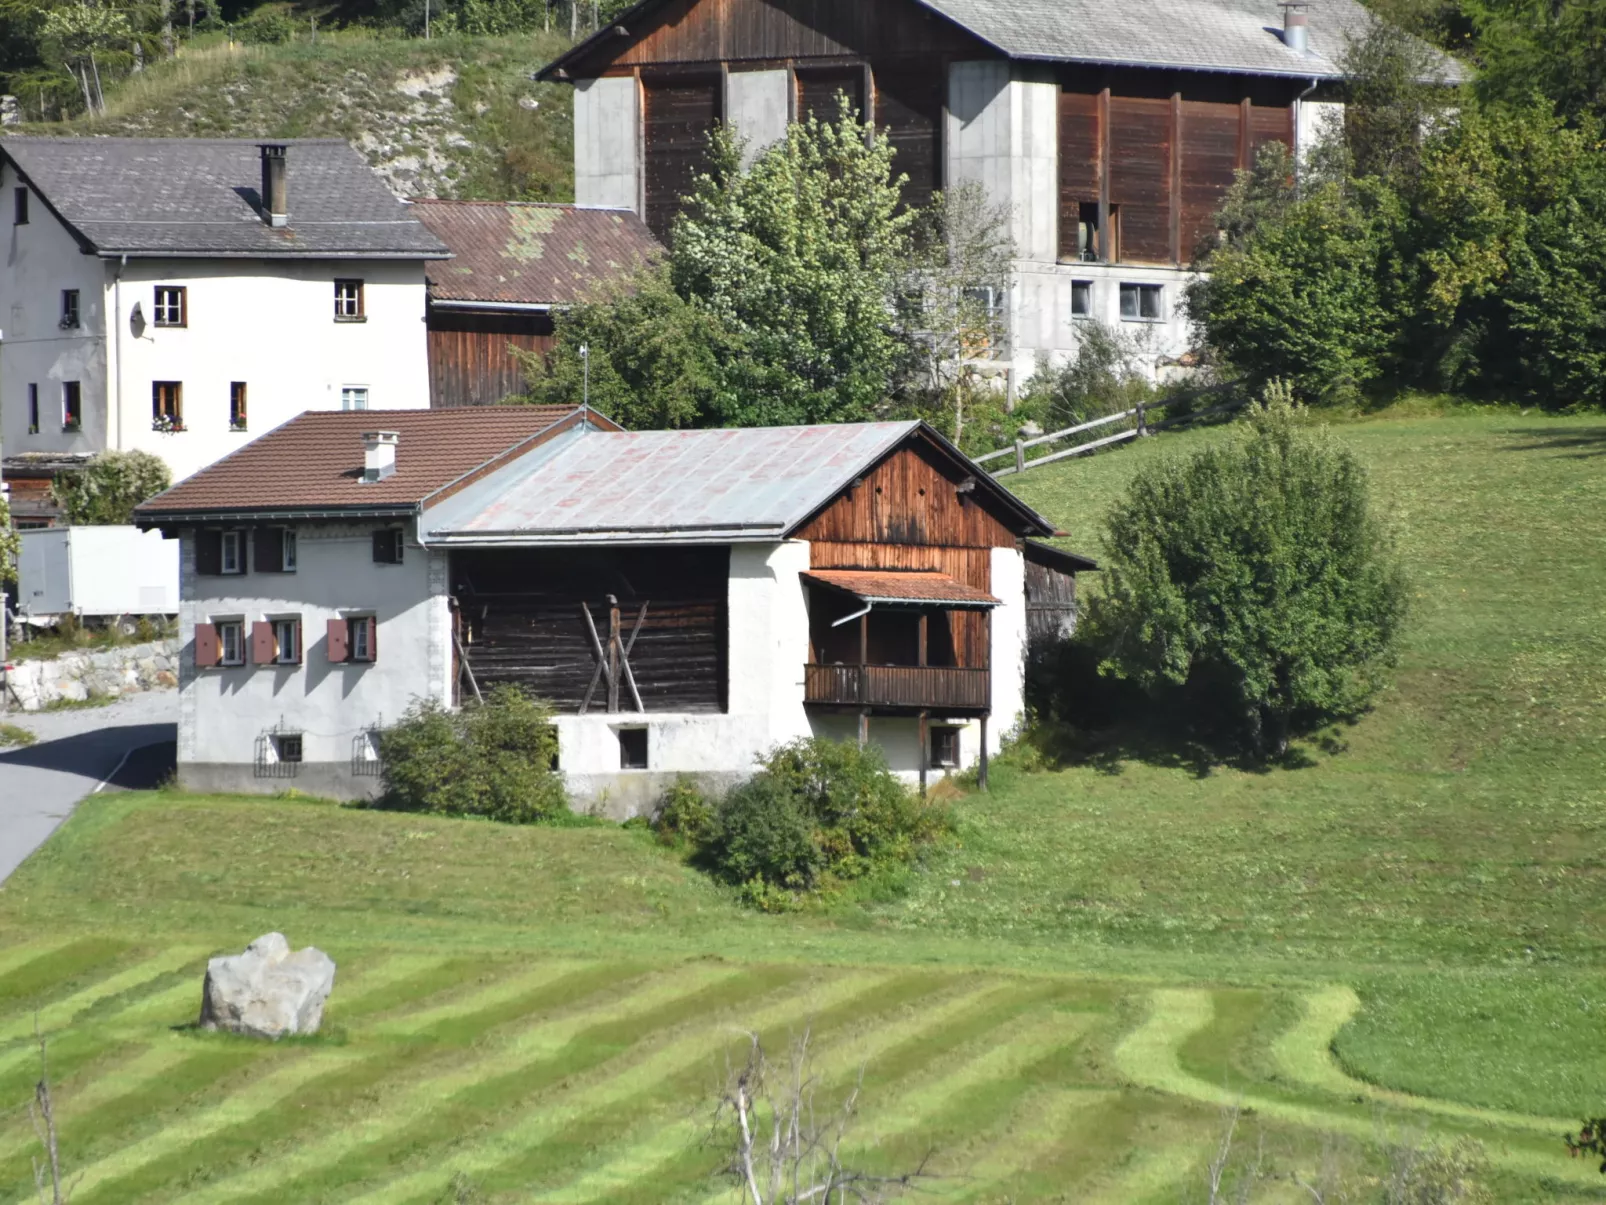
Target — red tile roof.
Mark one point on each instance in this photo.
(530, 254)
(315, 461)
(907, 586)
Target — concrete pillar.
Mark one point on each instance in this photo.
(607, 143)
(1003, 133)
(757, 105)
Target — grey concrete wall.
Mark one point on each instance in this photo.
(607, 143)
(1003, 133)
(758, 106)
(327, 780)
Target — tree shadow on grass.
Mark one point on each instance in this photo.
(1577, 443)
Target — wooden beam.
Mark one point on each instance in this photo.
(1176, 178)
(1106, 234)
(925, 749)
(1244, 119)
(613, 653)
(924, 620)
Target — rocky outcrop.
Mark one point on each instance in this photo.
(267, 991)
(102, 674)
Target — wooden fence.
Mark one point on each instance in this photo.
(1143, 426)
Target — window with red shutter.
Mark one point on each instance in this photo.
(338, 649)
(263, 651)
(207, 649)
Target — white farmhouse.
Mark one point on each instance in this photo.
(182, 294)
(686, 600)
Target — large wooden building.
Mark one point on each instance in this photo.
(685, 599)
(513, 265)
(1109, 130)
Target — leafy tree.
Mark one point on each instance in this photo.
(10, 544)
(1550, 48)
(1254, 573)
(110, 486)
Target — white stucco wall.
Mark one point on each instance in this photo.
(1008, 644)
(270, 324)
(757, 104)
(768, 645)
(42, 259)
(607, 143)
(1044, 323)
(1314, 121)
(224, 710)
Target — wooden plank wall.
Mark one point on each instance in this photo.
(908, 105)
(519, 614)
(680, 114)
(469, 360)
(907, 513)
(1158, 154)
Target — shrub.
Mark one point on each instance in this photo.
(684, 817)
(266, 26)
(818, 812)
(108, 488)
(491, 759)
(1106, 376)
(1254, 573)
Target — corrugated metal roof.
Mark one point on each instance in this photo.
(197, 196)
(709, 486)
(530, 253)
(1240, 36)
(902, 586)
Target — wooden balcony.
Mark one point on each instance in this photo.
(910, 687)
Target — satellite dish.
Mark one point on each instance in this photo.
(136, 320)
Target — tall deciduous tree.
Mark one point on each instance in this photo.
(1254, 572)
(110, 486)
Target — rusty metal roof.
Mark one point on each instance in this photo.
(525, 253)
(705, 486)
(911, 586)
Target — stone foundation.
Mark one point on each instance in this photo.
(103, 673)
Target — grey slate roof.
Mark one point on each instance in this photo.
(1211, 35)
(703, 486)
(1238, 36)
(197, 196)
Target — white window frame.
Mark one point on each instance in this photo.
(287, 554)
(231, 541)
(286, 637)
(1143, 290)
(224, 628)
(931, 753)
(349, 300)
(170, 313)
(1085, 289)
(349, 393)
(359, 638)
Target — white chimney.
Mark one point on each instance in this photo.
(1296, 26)
(379, 454)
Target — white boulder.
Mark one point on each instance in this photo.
(267, 991)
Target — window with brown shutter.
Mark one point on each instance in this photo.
(209, 553)
(208, 650)
(275, 550)
(336, 640)
(263, 651)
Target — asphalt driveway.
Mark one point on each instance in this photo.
(126, 745)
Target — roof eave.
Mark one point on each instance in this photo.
(149, 253)
(146, 520)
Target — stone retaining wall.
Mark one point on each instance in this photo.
(103, 673)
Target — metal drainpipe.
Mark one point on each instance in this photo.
(117, 318)
(1299, 113)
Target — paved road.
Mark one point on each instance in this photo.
(131, 742)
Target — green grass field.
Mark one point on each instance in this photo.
(1403, 935)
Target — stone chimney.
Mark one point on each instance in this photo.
(1296, 26)
(379, 454)
(275, 186)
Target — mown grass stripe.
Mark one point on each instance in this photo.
(62, 1012)
(1035, 1153)
(664, 1154)
(73, 1102)
(626, 1083)
(12, 957)
(835, 1062)
(429, 1100)
(270, 1092)
(23, 985)
(1147, 1057)
(362, 1073)
(1304, 1054)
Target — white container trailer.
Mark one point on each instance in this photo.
(96, 571)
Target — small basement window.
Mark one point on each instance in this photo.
(69, 309)
(1142, 303)
(287, 746)
(945, 747)
(1081, 299)
(170, 308)
(348, 301)
(632, 748)
(388, 546)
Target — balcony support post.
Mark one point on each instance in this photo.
(981, 766)
(925, 751)
(864, 727)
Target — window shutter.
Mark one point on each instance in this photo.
(208, 649)
(269, 550)
(300, 651)
(209, 553)
(339, 647)
(262, 643)
(373, 639)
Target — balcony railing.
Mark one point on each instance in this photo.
(928, 687)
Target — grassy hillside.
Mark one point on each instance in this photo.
(455, 117)
(1405, 933)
